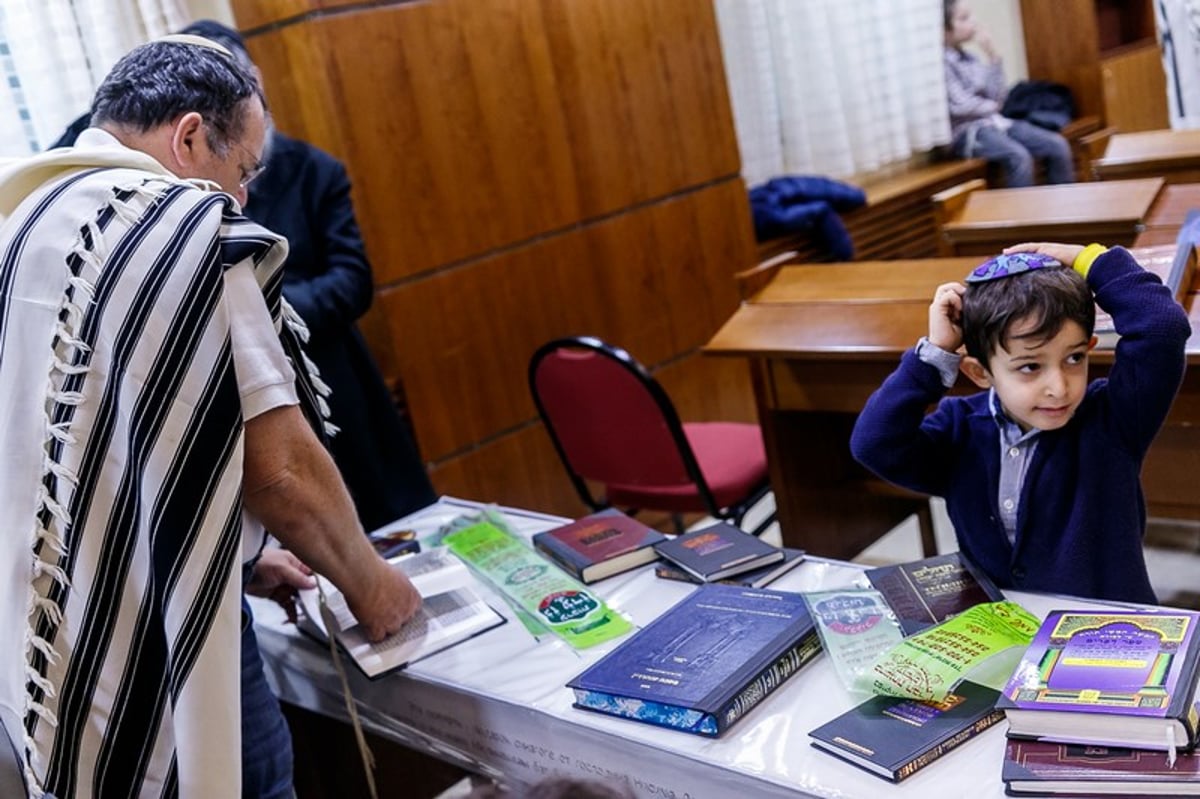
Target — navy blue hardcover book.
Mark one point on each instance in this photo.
(718, 551)
(704, 663)
(894, 737)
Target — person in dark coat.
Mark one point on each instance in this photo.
(304, 194)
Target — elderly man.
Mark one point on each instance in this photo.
(153, 426)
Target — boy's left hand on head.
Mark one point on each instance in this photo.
(1063, 253)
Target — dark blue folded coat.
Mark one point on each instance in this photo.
(796, 204)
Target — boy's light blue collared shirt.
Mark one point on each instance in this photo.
(1016, 447)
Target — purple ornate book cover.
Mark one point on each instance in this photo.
(1137, 663)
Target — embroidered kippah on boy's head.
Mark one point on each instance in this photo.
(1011, 264)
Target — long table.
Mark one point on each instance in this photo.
(497, 704)
(821, 337)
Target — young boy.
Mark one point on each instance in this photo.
(1040, 473)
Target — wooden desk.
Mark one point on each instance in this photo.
(1111, 212)
(821, 338)
(1168, 213)
(1173, 155)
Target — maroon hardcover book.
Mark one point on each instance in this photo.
(1033, 768)
(925, 592)
(600, 545)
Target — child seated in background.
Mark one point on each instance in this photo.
(1040, 472)
(975, 92)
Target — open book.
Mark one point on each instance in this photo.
(451, 611)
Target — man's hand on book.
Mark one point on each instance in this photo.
(383, 600)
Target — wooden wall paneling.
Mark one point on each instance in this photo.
(707, 389)
(463, 337)
(302, 92)
(1062, 44)
(694, 69)
(251, 14)
(490, 473)
(455, 128)
(621, 70)
(1135, 89)
(706, 241)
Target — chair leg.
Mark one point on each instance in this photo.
(925, 522)
(677, 520)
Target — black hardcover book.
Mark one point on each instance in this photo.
(755, 578)
(925, 592)
(718, 551)
(894, 737)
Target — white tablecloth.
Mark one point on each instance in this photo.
(497, 703)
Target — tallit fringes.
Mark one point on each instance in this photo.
(320, 387)
(124, 211)
(49, 609)
(32, 783)
(43, 646)
(314, 374)
(44, 685)
(294, 321)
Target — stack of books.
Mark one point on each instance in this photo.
(723, 553)
(894, 738)
(1104, 703)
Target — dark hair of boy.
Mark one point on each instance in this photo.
(1051, 297)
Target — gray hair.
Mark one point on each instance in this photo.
(157, 82)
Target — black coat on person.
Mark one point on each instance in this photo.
(304, 195)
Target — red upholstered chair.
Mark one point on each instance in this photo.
(613, 424)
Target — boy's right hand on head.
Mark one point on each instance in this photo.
(945, 317)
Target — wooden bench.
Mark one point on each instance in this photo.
(897, 221)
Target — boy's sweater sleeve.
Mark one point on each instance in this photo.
(895, 439)
(1150, 357)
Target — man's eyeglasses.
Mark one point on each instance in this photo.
(248, 175)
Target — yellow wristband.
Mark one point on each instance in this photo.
(1083, 261)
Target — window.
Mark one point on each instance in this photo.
(53, 54)
(833, 87)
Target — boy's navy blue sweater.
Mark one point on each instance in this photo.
(1082, 513)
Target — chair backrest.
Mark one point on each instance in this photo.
(610, 421)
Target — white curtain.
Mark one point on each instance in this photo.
(54, 53)
(833, 87)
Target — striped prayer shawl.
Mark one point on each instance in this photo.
(120, 483)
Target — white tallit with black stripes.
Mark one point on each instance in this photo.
(120, 507)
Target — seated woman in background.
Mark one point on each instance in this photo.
(975, 91)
